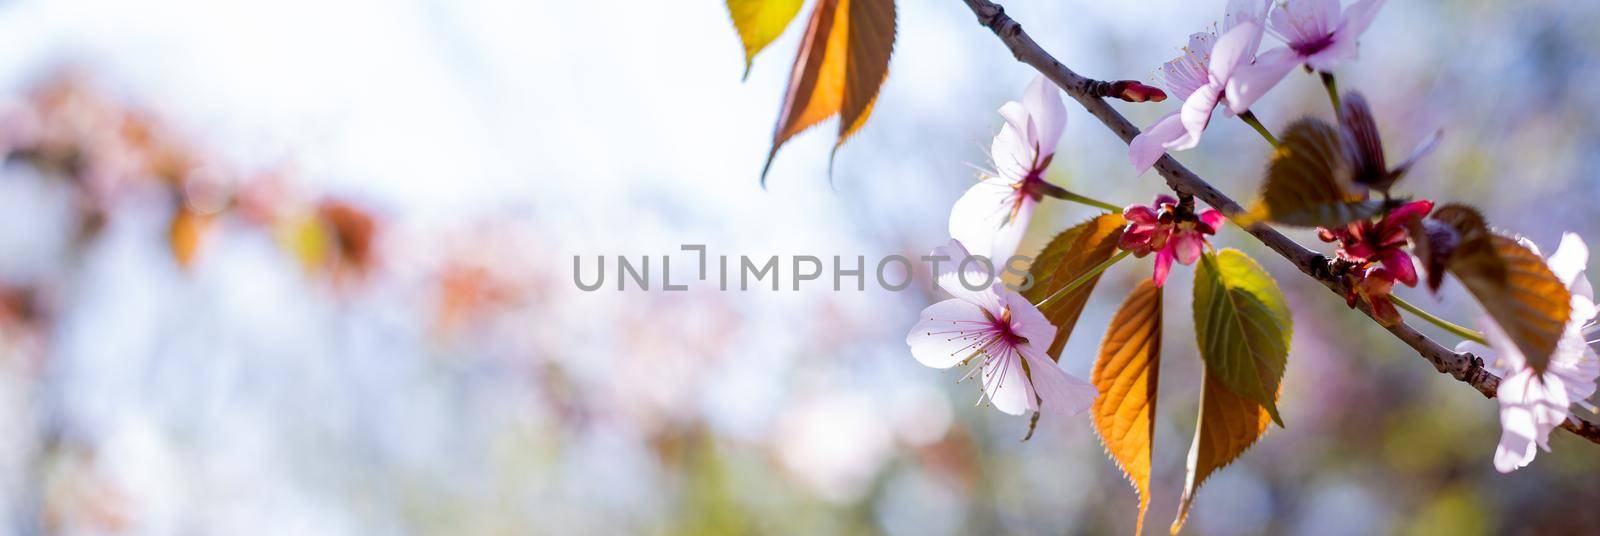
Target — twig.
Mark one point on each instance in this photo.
(1462, 366)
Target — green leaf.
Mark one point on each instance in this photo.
(759, 22)
(1071, 254)
(1309, 182)
(1243, 326)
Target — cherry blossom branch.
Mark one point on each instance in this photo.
(1459, 365)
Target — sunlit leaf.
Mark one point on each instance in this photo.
(1527, 300)
(759, 22)
(1126, 374)
(842, 61)
(1308, 182)
(1243, 326)
(1456, 233)
(1069, 255)
(1228, 425)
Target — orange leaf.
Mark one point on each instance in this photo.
(1528, 301)
(1126, 375)
(1228, 425)
(842, 61)
(1071, 254)
(186, 233)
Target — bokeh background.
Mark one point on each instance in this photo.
(306, 267)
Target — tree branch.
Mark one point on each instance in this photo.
(1462, 366)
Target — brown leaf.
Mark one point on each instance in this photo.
(872, 28)
(1126, 374)
(1071, 254)
(842, 62)
(1527, 300)
(1308, 182)
(1228, 425)
(1456, 233)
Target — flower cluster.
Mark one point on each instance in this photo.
(1170, 229)
(1217, 68)
(1376, 252)
(1001, 330)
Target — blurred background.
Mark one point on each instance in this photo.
(305, 267)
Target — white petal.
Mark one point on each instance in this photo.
(1049, 116)
(1007, 385)
(967, 280)
(1011, 151)
(982, 221)
(947, 333)
(1062, 393)
(1026, 320)
(1517, 428)
(1569, 263)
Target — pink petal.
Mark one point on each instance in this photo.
(1399, 263)
(1012, 152)
(945, 334)
(1043, 103)
(1009, 236)
(981, 217)
(1338, 51)
(1007, 385)
(1062, 393)
(1357, 18)
(1403, 214)
(1212, 218)
(1250, 82)
(1196, 114)
(1148, 146)
(1164, 199)
(1570, 261)
(1516, 447)
(1236, 47)
(1026, 320)
(1240, 11)
(1140, 215)
(1163, 266)
(1188, 246)
(961, 278)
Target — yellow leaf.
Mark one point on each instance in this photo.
(1126, 374)
(1069, 255)
(1228, 425)
(759, 22)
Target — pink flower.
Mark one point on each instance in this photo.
(1007, 334)
(991, 217)
(1171, 230)
(1315, 34)
(1199, 78)
(1377, 252)
(1531, 405)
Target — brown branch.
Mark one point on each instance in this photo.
(1462, 366)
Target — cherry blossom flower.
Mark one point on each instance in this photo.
(1376, 251)
(992, 216)
(1007, 334)
(1171, 230)
(1199, 78)
(1315, 34)
(1531, 405)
